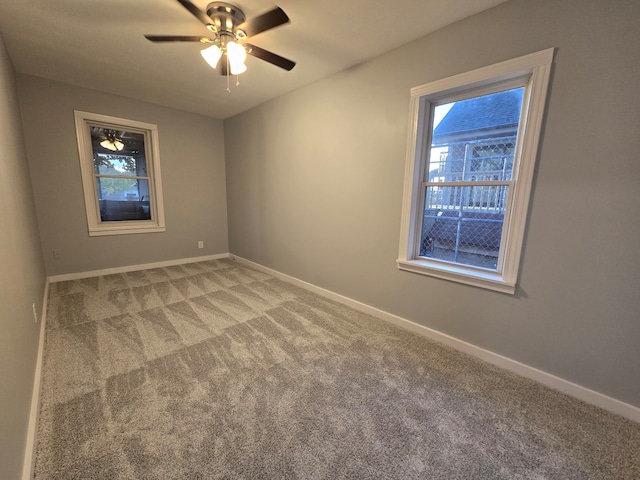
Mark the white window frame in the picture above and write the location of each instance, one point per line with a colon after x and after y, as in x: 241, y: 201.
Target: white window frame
x: 97, y: 227
x: 531, y: 71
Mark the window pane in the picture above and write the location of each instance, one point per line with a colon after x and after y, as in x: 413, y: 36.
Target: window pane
x: 118, y: 152
x: 463, y: 224
x: 122, y: 154
x: 106, y: 164
x: 123, y: 199
x: 474, y: 139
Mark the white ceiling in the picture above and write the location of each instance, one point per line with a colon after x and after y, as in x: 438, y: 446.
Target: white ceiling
x: 99, y: 44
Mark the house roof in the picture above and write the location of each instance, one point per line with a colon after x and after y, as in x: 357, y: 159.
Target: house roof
x: 486, y: 113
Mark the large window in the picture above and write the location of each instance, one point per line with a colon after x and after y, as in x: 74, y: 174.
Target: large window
x: 470, y: 162
x: 120, y: 168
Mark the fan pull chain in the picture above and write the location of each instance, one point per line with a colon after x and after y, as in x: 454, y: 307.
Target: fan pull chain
x: 228, y: 69
x: 237, y: 80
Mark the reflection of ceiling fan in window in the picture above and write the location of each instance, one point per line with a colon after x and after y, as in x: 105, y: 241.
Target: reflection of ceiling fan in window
x: 229, y: 29
x: 119, y: 141
x: 112, y: 142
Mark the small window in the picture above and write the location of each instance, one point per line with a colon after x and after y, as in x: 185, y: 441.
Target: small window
x: 120, y: 168
x: 469, y: 172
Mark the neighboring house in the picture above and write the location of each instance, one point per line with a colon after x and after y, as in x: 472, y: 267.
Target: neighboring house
x: 474, y: 142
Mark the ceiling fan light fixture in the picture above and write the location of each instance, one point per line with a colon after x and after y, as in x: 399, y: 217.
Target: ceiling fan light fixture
x: 237, y: 56
x: 212, y: 55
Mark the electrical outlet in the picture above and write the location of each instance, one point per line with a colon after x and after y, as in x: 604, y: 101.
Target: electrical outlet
x: 200, y: 244
x: 57, y: 253
x: 35, y: 315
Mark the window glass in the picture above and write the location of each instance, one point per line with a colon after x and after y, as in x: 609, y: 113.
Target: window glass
x: 122, y: 165
x: 470, y: 166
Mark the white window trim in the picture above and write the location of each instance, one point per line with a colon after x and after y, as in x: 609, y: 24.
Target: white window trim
x: 535, y: 68
x: 152, y: 152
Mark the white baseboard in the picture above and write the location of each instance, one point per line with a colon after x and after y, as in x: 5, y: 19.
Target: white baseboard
x: 582, y: 393
x: 132, y: 268
x: 34, y: 414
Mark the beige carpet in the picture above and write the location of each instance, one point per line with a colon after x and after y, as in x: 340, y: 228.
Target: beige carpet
x: 214, y: 370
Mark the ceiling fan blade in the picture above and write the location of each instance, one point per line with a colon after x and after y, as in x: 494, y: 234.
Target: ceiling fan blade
x: 196, y: 12
x: 264, y: 22
x: 177, y: 38
x: 270, y: 57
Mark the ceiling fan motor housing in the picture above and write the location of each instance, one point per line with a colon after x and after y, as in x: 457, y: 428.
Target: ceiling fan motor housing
x: 226, y: 17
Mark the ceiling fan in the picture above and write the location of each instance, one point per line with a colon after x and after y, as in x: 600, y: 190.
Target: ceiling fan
x: 229, y: 29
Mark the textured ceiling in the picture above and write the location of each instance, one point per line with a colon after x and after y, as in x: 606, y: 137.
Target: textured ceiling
x: 100, y: 45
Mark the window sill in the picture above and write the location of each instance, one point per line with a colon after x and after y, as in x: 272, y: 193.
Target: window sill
x: 125, y: 229
x: 459, y: 274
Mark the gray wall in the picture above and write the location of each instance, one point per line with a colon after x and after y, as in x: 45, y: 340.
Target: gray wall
x: 22, y: 279
x: 193, y: 179
x: 315, y: 179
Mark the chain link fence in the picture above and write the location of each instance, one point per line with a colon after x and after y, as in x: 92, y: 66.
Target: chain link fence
x: 463, y: 224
